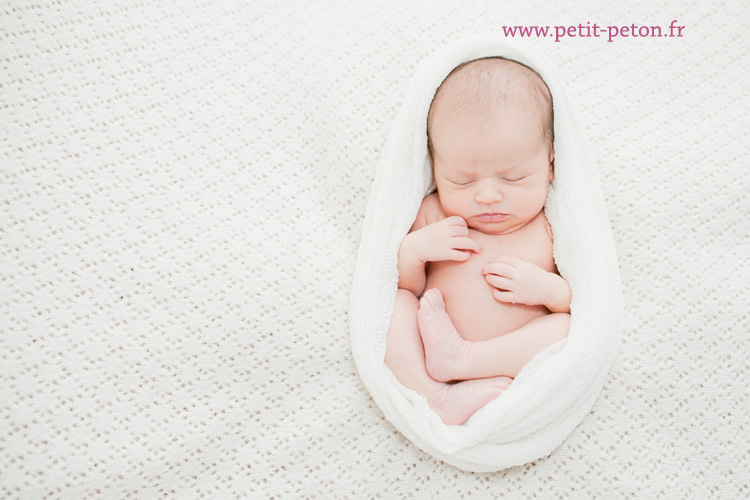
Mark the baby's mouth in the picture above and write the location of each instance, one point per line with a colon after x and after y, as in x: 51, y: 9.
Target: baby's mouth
x: 492, y: 217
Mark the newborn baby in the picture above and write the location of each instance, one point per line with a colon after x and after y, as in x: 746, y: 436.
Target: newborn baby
x: 479, y: 293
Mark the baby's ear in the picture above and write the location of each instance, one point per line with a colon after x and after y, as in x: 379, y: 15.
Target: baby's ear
x: 551, y: 164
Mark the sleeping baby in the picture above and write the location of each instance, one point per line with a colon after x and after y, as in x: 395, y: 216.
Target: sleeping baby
x: 479, y: 293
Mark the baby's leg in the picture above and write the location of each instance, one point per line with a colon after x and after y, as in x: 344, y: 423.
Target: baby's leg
x: 404, y: 355
x: 450, y: 357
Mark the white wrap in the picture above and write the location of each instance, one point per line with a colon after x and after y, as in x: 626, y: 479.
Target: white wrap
x: 553, y: 393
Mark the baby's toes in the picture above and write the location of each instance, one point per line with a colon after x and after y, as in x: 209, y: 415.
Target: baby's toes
x: 434, y: 299
x: 503, y: 382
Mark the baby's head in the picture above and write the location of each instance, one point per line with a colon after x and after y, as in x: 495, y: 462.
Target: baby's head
x: 490, y: 139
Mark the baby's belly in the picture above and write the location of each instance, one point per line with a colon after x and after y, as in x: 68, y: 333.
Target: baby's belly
x: 469, y: 301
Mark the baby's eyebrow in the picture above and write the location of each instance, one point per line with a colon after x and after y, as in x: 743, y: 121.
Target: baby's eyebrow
x: 465, y: 173
x: 515, y: 170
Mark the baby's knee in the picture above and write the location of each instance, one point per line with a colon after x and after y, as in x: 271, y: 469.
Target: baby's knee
x: 406, y: 299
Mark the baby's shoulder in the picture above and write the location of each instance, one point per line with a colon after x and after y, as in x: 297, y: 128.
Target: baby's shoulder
x: 429, y: 211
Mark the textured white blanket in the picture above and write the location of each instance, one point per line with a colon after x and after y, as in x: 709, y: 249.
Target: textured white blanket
x: 554, y: 392
x: 183, y: 186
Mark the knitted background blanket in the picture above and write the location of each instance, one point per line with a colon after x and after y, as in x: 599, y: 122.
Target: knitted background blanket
x: 183, y: 189
x: 557, y: 388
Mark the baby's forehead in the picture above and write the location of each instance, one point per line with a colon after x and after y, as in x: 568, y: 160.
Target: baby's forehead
x: 488, y: 83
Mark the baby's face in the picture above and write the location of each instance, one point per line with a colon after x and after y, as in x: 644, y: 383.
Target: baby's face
x: 493, y: 173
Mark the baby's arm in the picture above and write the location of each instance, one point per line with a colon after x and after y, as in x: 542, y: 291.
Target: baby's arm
x: 411, y: 270
x: 432, y: 238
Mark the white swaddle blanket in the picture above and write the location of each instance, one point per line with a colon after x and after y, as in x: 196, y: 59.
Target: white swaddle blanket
x: 553, y: 393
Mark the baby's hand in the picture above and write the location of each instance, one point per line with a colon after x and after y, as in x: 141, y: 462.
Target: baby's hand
x: 447, y: 239
x: 516, y: 280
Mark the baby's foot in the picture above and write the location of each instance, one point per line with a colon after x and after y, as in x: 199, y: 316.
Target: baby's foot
x: 446, y: 353
x: 456, y: 403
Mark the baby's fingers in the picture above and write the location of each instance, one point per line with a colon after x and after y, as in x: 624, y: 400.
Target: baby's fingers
x: 499, y: 281
x: 455, y: 220
x: 499, y: 268
x: 505, y: 296
x: 465, y: 243
x: 458, y: 255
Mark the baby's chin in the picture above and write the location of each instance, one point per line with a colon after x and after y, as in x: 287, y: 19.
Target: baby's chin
x: 490, y: 227
x: 495, y: 228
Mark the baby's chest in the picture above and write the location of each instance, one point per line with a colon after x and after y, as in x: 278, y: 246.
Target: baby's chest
x: 468, y: 295
x: 531, y: 244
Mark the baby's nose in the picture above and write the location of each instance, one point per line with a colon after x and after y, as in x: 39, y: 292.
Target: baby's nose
x: 489, y: 192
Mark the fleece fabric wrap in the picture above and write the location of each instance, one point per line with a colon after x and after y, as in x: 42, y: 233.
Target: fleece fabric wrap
x: 556, y: 390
